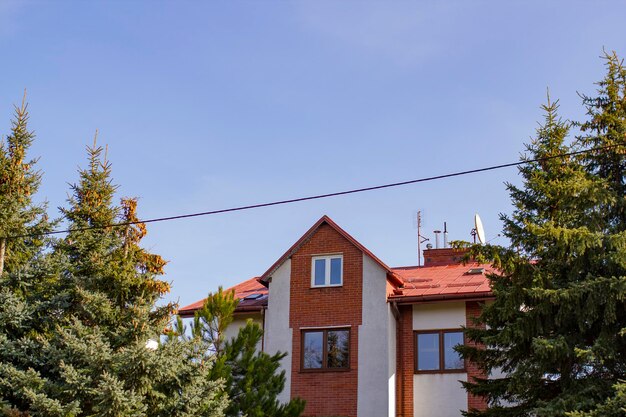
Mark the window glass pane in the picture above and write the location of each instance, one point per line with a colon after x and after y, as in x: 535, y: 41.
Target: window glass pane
x: 451, y: 359
x: 338, y: 348
x: 313, y: 353
x: 335, y: 271
x: 427, y: 351
x: 320, y: 271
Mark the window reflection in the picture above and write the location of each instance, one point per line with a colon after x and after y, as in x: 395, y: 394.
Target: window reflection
x: 435, y: 351
x: 313, y: 354
x: 326, y: 349
x: 452, y: 360
x: 427, y: 351
x: 337, y: 348
x: 335, y: 271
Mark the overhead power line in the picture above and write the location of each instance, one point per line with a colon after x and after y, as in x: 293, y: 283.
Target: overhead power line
x: 318, y: 196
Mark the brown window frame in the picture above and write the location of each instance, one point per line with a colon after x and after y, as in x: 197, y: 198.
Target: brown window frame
x: 442, y: 369
x: 324, y: 331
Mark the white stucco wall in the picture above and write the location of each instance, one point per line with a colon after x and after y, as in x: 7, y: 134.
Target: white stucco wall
x: 374, y: 354
x: 391, y: 349
x: 439, y: 395
x: 435, y: 316
x: 240, y: 321
x: 278, y: 334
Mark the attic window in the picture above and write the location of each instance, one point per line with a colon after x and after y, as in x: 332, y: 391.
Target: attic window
x: 475, y: 271
x: 253, y: 296
x: 327, y: 271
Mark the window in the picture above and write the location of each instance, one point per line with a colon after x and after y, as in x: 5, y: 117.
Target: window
x: 326, y: 350
x: 434, y: 351
x: 327, y: 271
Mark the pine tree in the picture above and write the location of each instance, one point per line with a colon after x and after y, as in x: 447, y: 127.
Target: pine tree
x: 552, y: 340
x: 252, y: 377
x: 212, y: 320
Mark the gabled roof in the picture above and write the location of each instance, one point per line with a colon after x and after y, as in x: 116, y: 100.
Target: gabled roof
x: 252, y: 296
x: 443, y: 282
x: 391, y: 275
x: 413, y: 284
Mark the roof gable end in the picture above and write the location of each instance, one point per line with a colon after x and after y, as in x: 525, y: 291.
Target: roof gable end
x: 328, y: 221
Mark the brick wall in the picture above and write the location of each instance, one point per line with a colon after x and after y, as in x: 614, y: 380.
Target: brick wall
x: 444, y: 256
x: 405, y: 362
x: 326, y: 393
x: 473, y: 309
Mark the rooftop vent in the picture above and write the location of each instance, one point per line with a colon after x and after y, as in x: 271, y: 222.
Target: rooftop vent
x: 475, y: 271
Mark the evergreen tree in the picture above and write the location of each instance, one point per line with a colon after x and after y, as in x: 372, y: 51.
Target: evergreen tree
x: 212, y: 320
x: 26, y: 277
x: 252, y: 377
x: 19, y: 181
x: 83, y: 349
x: 614, y: 406
x: 553, y: 342
x: 606, y: 128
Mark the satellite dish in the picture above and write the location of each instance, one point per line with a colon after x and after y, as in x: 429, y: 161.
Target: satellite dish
x: 480, y: 231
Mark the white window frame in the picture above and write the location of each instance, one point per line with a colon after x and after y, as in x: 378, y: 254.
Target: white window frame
x: 327, y: 258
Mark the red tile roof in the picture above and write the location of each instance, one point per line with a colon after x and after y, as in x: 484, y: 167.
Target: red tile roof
x: 412, y: 284
x: 425, y: 283
x: 443, y: 282
x: 250, y: 288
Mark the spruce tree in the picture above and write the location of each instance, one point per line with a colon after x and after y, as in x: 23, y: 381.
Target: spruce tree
x: 553, y: 340
x: 606, y: 128
x: 84, y: 347
x: 19, y: 181
x: 27, y: 276
x: 252, y: 378
x: 114, y: 285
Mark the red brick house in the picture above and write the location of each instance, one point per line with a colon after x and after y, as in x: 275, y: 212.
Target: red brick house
x: 364, y: 339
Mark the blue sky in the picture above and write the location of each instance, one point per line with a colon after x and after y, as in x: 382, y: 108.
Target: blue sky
x: 209, y: 105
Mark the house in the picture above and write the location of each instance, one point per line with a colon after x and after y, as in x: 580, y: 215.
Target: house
x: 364, y: 339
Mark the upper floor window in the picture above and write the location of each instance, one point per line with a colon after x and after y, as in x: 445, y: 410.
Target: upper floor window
x: 327, y: 271
x: 434, y: 350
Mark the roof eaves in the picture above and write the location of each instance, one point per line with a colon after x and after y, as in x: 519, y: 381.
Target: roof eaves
x: 395, y: 279
x: 414, y: 299
x: 190, y: 311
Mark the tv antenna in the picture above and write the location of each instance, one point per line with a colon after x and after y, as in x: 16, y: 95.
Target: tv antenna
x: 420, y: 239
x: 478, y: 231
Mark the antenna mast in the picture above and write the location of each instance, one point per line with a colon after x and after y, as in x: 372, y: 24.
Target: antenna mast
x: 420, y: 239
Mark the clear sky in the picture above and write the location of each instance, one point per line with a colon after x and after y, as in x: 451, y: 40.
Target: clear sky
x: 209, y: 105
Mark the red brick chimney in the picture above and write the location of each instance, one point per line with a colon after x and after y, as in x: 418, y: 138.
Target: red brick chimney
x: 445, y: 256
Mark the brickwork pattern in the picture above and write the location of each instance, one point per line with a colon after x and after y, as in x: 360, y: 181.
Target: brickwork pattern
x: 326, y: 393
x: 473, y: 309
x: 405, y: 362
x: 443, y: 256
